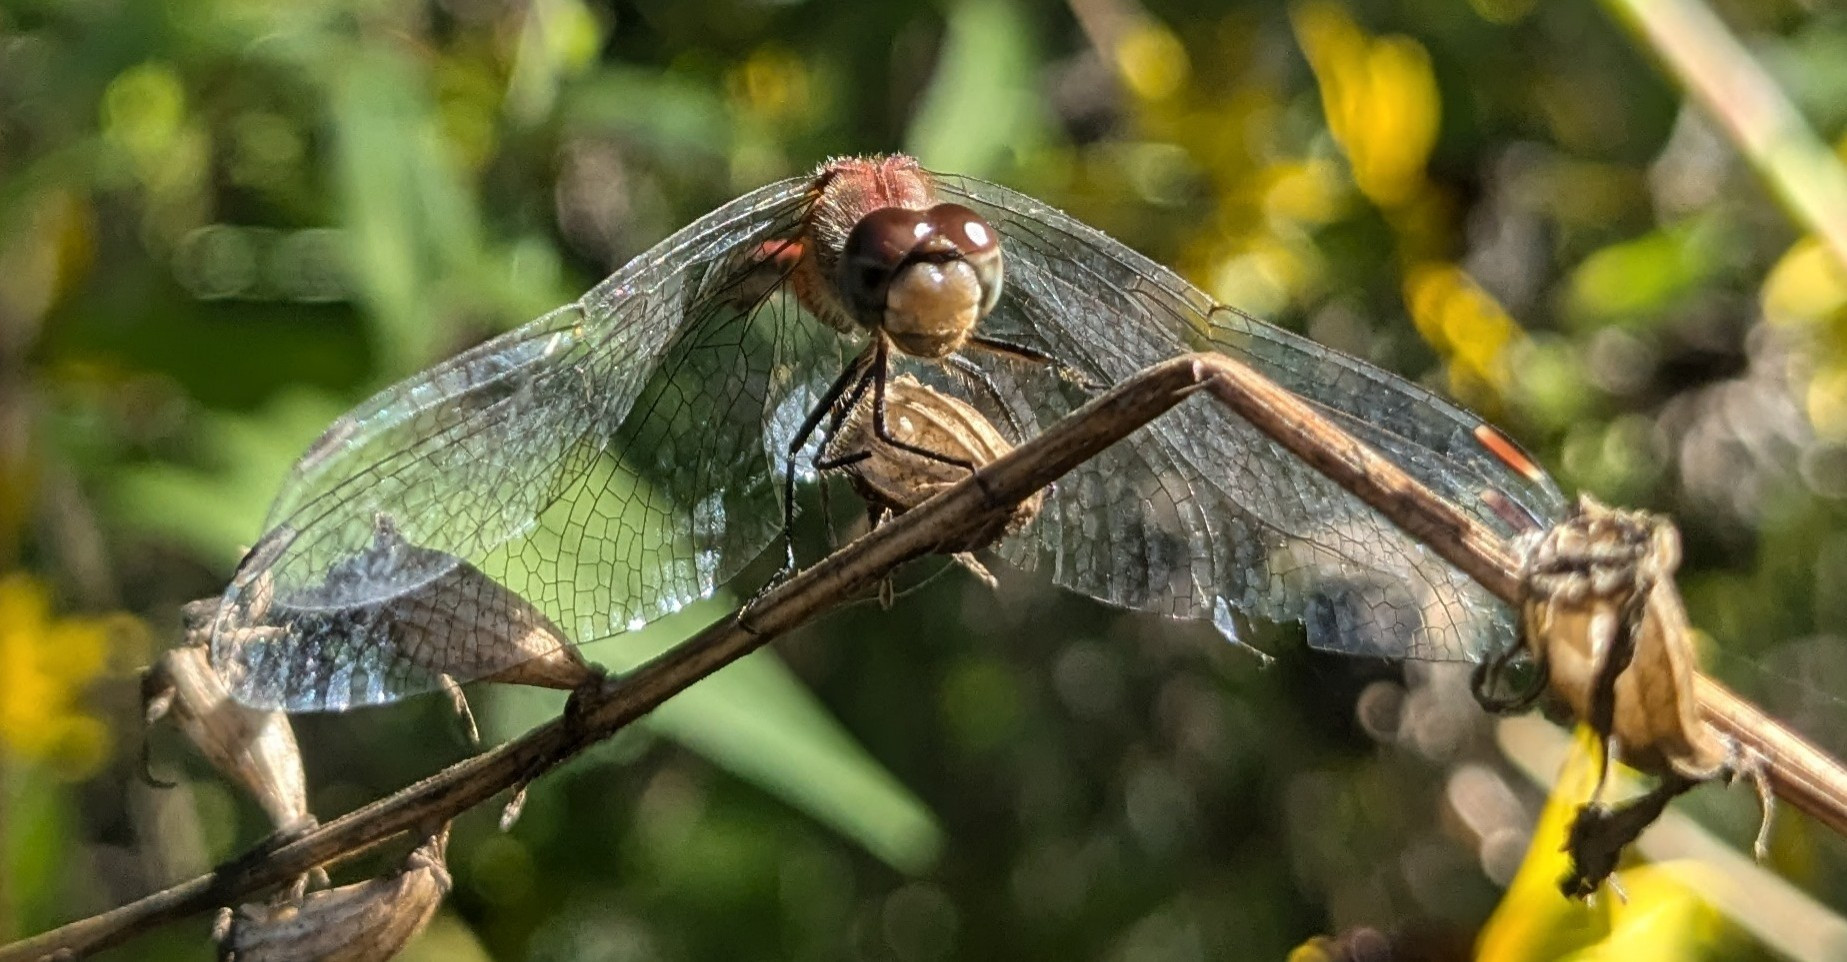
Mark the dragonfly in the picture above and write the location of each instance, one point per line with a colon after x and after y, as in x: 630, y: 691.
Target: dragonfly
x: 629, y: 453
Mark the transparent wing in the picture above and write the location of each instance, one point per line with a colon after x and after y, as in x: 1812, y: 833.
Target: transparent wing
x: 1197, y: 514
x: 605, y: 464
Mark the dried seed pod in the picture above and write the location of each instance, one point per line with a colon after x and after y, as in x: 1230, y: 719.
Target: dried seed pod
x: 368, y: 921
x: 1603, y: 616
x: 1598, y: 583
x: 255, y: 748
x: 892, y: 478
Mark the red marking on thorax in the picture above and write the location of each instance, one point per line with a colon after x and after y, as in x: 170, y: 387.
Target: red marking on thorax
x: 782, y: 255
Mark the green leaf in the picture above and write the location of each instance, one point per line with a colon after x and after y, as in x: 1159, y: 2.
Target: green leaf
x: 667, y: 113
x: 755, y: 719
x: 557, y: 38
x: 980, y: 106
x: 34, y: 840
x: 412, y: 224
x: 218, y: 511
x: 1637, y: 281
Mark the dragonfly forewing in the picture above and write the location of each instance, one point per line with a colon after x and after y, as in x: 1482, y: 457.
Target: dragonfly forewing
x: 1198, y: 512
x: 604, y: 463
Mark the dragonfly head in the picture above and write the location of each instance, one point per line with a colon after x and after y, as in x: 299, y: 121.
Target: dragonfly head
x: 923, y: 277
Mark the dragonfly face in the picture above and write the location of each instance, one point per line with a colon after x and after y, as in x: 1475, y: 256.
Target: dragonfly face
x: 628, y: 453
x: 922, y: 278
x: 885, y: 257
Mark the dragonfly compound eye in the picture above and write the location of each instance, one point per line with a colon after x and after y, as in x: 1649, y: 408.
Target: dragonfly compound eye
x: 875, y: 250
x: 924, y: 278
x: 975, y: 243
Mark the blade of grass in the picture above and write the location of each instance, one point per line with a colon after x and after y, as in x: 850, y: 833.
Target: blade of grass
x: 1701, y: 54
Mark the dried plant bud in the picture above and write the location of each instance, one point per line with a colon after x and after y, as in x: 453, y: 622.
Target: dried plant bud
x: 510, y: 813
x: 1593, y: 578
x: 365, y: 922
x: 893, y: 478
x: 1604, y: 617
x: 255, y: 748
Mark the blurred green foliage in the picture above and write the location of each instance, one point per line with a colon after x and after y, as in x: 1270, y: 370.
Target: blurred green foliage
x: 222, y: 222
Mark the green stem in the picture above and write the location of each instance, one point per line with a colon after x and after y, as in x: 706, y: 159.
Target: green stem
x: 1710, y: 64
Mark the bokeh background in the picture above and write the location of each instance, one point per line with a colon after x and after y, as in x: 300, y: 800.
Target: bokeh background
x: 223, y: 222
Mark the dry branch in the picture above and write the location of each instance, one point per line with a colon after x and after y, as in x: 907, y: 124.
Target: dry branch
x: 1803, y: 776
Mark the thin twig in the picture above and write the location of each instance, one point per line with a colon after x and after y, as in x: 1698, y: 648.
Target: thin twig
x: 1816, y: 787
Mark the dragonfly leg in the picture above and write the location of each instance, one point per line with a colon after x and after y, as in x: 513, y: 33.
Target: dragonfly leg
x: 1021, y: 352
x: 880, y: 371
x: 823, y: 463
x: 842, y: 410
x: 853, y: 377
x: 1490, y: 679
x: 843, y: 461
x: 1600, y: 833
x: 970, y: 370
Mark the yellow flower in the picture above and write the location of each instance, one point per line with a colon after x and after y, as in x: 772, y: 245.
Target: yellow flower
x: 46, y: 663
x: 1152, y: 61
x: 1827, y: 402
x: 1380, y: 96
x: 1464, y: 323
x: 772, y: 84
x: 1663, y: 917
x: 1808, y: 289
x: 1806, y: 285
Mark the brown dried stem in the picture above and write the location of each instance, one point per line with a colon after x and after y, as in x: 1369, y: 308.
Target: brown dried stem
x: 1800, y: 774
x: 1805, y: 777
